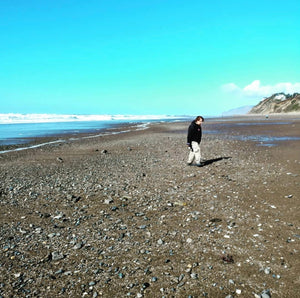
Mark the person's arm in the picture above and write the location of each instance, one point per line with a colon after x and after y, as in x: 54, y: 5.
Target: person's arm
x: 189, y: 137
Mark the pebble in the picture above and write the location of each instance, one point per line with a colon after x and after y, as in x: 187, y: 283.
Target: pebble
x: 194, y: 275
x: 160, y: 242
x: 78, y: 245
x: 56, y: 256
x: 108, y: 201
x: 51, y: 235
x: 266, y: 294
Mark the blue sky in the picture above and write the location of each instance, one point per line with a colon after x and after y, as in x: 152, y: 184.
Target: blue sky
x: 146, y: 57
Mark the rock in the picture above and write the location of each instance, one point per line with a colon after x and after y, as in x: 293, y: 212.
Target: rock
x: 51, y: 235
x: 160, y: 242
x: 56, y: 256
x: 194, y: 275
x: 108, y: 201
x: 266, y: 294
x: 78, y: 245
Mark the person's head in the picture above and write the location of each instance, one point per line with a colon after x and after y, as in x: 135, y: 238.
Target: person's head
x: 199, y: 120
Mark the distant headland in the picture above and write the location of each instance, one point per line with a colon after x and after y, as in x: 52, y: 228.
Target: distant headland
x: 278, y: 103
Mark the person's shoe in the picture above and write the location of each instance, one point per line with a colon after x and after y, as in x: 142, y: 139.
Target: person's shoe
x: 189, y: 164
x: 201, y: 164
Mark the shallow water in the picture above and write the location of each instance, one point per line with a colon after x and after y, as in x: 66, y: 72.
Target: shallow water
x: 233, y: 131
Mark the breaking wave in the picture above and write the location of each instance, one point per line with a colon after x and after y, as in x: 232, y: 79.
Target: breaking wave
x: 11, y: 118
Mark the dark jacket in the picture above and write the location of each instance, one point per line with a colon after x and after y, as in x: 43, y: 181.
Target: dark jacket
x: 194, y: 133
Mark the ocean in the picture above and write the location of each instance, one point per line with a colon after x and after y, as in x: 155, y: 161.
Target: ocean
x: 21, y: 129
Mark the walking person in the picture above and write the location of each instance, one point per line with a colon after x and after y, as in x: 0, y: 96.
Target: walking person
x: 193, y: 141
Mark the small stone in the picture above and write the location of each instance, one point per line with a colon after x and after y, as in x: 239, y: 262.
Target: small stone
x: 160, y: 242
x: 266, y: 294
x: 51, y: 235
x: 180, y: 278
x: 78, y: 245
x: 146, y: 285
x: 56, y: 256
x: 108, y: 201
x: 194, y: 275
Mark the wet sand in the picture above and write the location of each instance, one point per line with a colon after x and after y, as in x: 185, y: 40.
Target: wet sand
x: 124, y: 215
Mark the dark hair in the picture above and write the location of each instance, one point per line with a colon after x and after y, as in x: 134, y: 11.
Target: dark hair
x: 198, y: 118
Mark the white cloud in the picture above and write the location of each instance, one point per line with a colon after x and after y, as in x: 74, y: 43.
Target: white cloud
x: 257, y: 90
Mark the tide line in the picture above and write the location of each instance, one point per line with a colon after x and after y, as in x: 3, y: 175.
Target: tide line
x: 137, y: 127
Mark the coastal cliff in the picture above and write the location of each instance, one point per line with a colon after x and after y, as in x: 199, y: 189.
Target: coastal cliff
x: 278, y: 103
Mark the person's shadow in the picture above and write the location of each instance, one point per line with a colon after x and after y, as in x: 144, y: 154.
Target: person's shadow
x: 210, y: 161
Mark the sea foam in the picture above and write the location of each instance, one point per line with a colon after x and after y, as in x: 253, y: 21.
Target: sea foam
x: 11, y: 118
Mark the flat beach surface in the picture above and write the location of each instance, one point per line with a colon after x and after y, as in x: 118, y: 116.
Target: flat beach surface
x: 123, y: 215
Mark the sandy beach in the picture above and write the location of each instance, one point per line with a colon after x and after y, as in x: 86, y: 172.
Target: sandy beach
x: 123, y: 215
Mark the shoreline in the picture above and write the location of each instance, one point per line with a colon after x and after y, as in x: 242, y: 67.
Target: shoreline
x: 35, y: 142
x: 59, y: 139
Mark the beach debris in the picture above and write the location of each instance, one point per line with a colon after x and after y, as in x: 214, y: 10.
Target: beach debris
x: 179, y: 203
x: 104, y: 151
x: 227, y: 259
x: 59, y: 159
